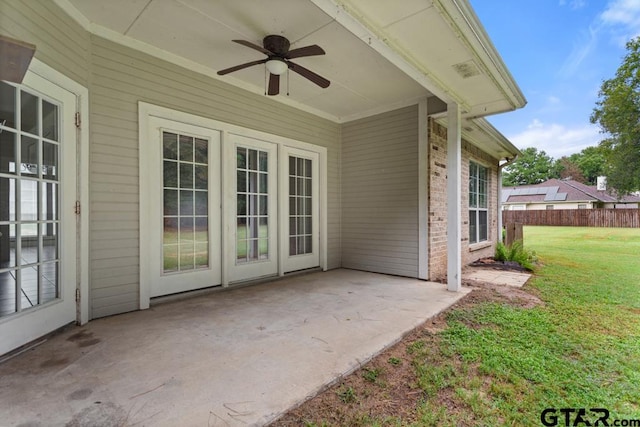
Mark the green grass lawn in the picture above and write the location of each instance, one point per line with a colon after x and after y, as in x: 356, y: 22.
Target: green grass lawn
x: 580, y: 350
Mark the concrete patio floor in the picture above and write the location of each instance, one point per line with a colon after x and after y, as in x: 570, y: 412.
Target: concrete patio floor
x: 240, y: 357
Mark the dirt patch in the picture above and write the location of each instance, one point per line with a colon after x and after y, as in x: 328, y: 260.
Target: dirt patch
x: 500, y: 293
x: 387, y: 386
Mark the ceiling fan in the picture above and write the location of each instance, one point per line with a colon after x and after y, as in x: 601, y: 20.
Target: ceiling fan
x: 279, y: 60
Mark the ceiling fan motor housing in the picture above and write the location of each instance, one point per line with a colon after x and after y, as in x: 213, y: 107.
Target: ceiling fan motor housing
x: 278, y: 45
x: 278, y: 61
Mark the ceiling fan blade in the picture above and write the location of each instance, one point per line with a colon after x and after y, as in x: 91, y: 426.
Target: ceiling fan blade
x: 319, y: 80
x: 305, y: 51
x: 253, y: 46
x: 240, y: 67
x: 274, y: 84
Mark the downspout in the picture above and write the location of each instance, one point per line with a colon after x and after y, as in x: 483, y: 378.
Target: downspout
x: 500, y: 167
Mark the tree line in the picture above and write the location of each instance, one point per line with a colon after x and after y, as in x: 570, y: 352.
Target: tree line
x: 617, y: 156
x: 534, y: 167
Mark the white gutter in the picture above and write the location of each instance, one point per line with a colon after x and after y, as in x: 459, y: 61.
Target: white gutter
x: 495, y: 134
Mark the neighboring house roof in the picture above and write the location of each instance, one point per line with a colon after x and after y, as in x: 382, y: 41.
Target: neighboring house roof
x: 556, y: 190
x: 603, y: 196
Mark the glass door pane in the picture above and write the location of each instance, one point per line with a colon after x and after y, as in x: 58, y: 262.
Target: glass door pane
x: 185, y: 203
x: 300, y: 206
x: 29, y: 199
x: 252, y: 210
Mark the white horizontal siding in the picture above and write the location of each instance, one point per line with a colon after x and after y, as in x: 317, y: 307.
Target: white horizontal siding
x: 380, y: 193
x: 120, y: 79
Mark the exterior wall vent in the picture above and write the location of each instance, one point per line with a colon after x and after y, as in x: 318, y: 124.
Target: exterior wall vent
x: 467, y: 69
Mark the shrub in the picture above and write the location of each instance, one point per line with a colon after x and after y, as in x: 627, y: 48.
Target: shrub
x: 516, y: 253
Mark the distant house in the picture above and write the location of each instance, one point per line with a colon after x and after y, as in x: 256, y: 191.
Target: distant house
x: 564, y: 194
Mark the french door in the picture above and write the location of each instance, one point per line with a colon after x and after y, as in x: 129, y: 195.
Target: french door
x: 299, y: 170
x: 185, y: 220
x: 253, y: 208
x: 37, y: 221
x: 222, y: 204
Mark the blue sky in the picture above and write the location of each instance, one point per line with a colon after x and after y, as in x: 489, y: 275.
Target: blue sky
x: 559, y: 52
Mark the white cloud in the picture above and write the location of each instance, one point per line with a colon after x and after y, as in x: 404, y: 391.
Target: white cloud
x: 620, y: 20
x: 553, y: 100
x: 587, y: 44
x: 555, y: 139
x: 624, y: 15
x: 573, y: 4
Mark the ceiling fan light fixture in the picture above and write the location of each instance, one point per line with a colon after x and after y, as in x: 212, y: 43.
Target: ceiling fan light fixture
x: 278, y: 61
x: 276, y: 66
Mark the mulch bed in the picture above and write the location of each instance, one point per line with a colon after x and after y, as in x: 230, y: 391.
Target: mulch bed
x: 499, y: 265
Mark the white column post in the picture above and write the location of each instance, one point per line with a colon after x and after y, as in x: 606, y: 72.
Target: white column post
x: 499, y: 204
x: 423, y: 190
x: 454, y: 198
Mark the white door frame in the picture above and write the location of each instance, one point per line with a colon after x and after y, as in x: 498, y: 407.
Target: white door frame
x: 145, y: 112
x: 73, y: 304
x: 164, y: 284
x: 82, y: 155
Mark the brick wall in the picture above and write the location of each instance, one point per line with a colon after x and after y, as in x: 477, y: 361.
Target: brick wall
x: 437, y: 199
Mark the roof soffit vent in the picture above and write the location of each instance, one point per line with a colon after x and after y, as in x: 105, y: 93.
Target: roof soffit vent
x: 467, y: 69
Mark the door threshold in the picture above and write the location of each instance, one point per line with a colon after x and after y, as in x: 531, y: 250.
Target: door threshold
x: 236, y: 285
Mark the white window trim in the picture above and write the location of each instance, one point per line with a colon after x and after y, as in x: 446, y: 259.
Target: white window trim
x: 145, y: 112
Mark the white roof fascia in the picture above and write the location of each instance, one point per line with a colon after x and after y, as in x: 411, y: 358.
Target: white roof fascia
x: 486, y: 127
x: 465, y: 22
x: 372, y: 36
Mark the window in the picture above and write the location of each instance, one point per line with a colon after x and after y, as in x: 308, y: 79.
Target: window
x: 478, y: 203
x: 582, y: 206
x: 185, y: 201
x: 549, y: 207
x: 29, y: 199
x: 253, y: 210
x: 300, y: 200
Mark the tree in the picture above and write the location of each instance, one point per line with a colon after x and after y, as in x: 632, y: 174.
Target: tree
x: 617, y: 112
x: 567, y: 168
x: 532, y: 167
x: 585, y: 166
x: 592, y: 163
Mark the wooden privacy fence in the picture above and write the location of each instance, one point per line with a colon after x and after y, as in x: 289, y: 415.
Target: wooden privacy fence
x: 621, y: 218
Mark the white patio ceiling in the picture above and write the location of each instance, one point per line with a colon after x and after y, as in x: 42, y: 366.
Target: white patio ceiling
x: 380, y: 54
